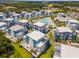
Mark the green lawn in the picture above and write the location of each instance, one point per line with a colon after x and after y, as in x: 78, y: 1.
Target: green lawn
x: 48, y: 53
x: 16, y: 55
x: 20, y: 51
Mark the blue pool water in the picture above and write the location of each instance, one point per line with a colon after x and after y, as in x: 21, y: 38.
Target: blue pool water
x: 45, y: 20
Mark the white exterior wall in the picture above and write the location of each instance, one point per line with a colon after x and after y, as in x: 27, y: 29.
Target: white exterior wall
x: 12, y: 33
x: 41, y: 49
x: 31, y: 42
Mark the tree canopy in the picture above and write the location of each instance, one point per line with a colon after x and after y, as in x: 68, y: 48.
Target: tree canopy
x: 6, y: 49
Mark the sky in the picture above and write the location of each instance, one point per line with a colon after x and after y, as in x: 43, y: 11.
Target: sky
x: 48, y: 0
x: 42, y: 0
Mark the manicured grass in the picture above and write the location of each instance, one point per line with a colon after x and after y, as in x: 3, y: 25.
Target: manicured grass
x: 16, y: 55
x: 49, y: 53
x: 1, y: 33
x: 21, y: 51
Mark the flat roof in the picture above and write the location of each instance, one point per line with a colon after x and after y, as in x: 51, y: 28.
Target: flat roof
x: 42, y: 10
x: 75, y: 21
x: 38, y: 12
x: 1, y: 15
x: 2, y: 23
x: 24, y: 12
x: 8, y: 19
x: 64, y: 29
x: 62, y: 13
x: 36, y: 35
x: 59, y: 18
x: 16, y: 14
x: 69, y: 51
x: 67, y: 18
x: 77, y: 31
x: 48, y: 11
x: 40, y: 44
x: 28, y: 13
x: 23, y: 21
x: 40, y: 24
x: 16, y: 27
x: 34, y: 11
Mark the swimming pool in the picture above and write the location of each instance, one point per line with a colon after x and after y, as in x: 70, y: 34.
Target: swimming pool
x: 45, y: 20
x: 48, y: 21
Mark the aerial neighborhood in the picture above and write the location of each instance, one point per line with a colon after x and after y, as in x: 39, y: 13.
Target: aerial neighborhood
x: 32, y: 36
x: 35, y: 33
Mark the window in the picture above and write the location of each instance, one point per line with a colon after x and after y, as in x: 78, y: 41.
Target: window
x: 70, y: 34
x: 27, y: 39
x: 61, y: 34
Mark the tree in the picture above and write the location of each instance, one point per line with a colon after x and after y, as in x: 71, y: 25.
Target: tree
x: 6, y: 49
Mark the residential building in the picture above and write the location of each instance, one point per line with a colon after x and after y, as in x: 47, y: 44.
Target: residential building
x: 63, y: 19
x: 3, y: 26
x: 23, y: 14
x: 33, y: 13
x: 43, y: 12
x: 24, y: 23
x: 9, y: 14
x: 61, y: 15
x: 28, y: 15
x: 64, y: 33
x: 2, y: 16
x: 40, y: 27
x: 35, y: 42
x: 9, y: 21
x: 16, y: 32
x: 16, y: 16
x: 48, y: 13
x: 38, y: 14
x: 73, y: 24
x: 77, y: 31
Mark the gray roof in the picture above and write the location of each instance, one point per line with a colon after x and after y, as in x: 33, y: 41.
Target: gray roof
x: 36, y: 35
x: 16, y: 28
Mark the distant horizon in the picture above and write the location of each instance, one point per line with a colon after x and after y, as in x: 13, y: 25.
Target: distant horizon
x: 39, y: 0
x: 50, y: 1
x: 46, y: 0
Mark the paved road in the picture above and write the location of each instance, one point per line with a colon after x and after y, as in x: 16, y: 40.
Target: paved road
x: 57, y: 53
